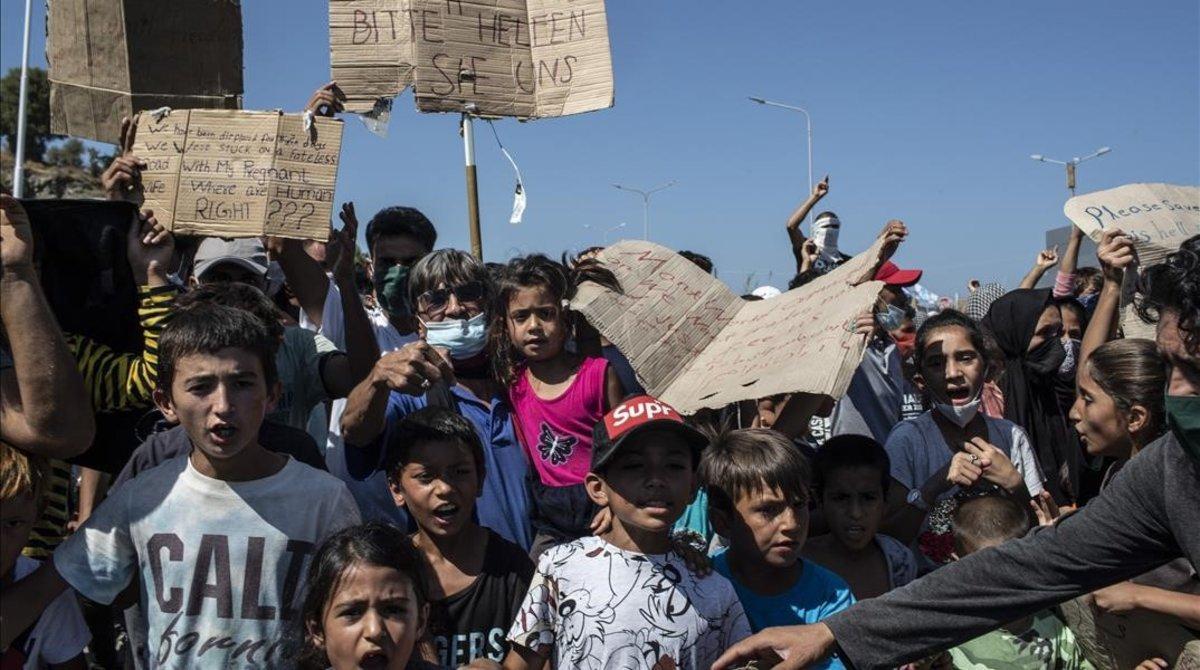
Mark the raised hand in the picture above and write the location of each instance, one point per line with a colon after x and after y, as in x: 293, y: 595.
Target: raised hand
x: 347, y: 239
x: 893, y: 234
x: 151, y: 250
x: 1045, y: 509
x: 122, y: 179
x: 1116, y: 253
x: 808, y: 254
x: 997, y: 467
x: 327, y: 100
x: 16, y: 235
x: 821, y: 189
x: 1047, y: 258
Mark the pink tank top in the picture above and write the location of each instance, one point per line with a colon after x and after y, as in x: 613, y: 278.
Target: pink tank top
x: 557, y: 434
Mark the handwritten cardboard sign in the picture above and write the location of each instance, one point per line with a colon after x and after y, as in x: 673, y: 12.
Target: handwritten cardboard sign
x: 695, y: 344
x: 111, y: 58
x: 522, y: 58
x: 1159, y: 217
x: 239, y: 174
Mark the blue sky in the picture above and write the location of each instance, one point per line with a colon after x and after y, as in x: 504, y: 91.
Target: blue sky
x: 923, y: 111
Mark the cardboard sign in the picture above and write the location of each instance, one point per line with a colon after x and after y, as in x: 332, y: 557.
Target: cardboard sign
x: 522, y: 58
x: 694, y: 344
x: 112, y: 58
x: 1159, y: 217
x: 240, y: 174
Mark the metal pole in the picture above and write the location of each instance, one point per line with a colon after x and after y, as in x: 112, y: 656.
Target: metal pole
x: 468, y: 133
x: 19, y: 156
x: 646, y: 216
x: 808, y: 122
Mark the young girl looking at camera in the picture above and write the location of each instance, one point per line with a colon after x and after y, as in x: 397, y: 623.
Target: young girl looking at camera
x: 953, y: 446
x: 557, y: 395
x: 366, y: 605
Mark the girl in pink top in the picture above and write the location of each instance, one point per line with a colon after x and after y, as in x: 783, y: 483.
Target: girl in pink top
x: 557, y: 396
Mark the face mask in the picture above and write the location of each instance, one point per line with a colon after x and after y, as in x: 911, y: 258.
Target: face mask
x: 1066, y: 370
x: 961, y: 415
x: 1183, y: 418
x: 1089, y: 301
x: 891, y: 318
x: 825, y: 235
x: 906, y: 344
x: 391, y: 287
x: 464, y: 338
x: 1046, y: 358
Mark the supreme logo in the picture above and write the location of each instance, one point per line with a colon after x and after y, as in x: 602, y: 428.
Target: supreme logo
x: 637, y: 411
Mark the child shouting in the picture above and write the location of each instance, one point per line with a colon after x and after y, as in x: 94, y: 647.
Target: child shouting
x: 626, y: 598
x: 757, y: 483
x: 476, y: 579
x: 852, y: 478
x: 215, y: 542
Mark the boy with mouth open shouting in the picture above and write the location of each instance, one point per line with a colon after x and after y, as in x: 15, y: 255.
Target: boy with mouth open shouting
x: 626, y: 598
x: 475, y: 578
x: 214, y: 543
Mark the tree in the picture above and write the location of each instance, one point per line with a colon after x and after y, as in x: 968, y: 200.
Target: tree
x: 67, y: 154
x: 37, y: 107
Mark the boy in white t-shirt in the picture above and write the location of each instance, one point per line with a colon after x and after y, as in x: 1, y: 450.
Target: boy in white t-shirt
x: 213, y: 544
x: 57, y: 638
x: 626, y: 598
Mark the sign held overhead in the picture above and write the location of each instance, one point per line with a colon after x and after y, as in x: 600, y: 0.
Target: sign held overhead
x: 112, y: 58
x: 239, y: 174
x: 695, y: 344
x: 520, y: 58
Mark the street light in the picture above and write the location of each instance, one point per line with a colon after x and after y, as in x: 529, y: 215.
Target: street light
x: 1071, y: 164
x: 808, y: 122
x: 612, y: 230
x: 645, y: 203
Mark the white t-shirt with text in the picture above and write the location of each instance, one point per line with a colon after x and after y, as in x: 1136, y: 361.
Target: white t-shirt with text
x: 221, y: 564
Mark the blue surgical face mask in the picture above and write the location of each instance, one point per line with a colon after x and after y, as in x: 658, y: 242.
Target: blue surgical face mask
x: 464, y: 338
x: 891, y: 318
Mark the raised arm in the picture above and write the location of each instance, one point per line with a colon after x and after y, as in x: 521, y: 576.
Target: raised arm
x: 343, y: 373
x: 1064, y: 280
x: 44, y: 407
x: 303, y: 274
x: 116, y: 380
x: 1116, y: 253
x: 1044, y: 261
x: 122, y: 179
x: 793, y: 224
x: 412, y: 370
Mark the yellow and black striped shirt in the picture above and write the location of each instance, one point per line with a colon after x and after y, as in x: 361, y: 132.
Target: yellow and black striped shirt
x: 115, y: 381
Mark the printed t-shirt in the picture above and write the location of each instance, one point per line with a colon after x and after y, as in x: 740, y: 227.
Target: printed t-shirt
x: 221, y: 564
x: 603, y: 607
x: 473, y: 623
x: 1046, y: 643
x: 59, y: 634
x: 818, y: 593
x: 917, y: 450
x: 557, y: 433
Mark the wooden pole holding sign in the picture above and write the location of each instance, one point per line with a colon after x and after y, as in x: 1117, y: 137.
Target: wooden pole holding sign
x: 468, y: 134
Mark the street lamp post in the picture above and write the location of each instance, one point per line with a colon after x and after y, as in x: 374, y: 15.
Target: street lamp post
x: 1071, y: 164
x: 808, y: 123
x: 613, y: 230
x: 645, y: 202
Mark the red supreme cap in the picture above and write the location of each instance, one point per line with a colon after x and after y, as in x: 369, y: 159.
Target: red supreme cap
x: 635, y: 415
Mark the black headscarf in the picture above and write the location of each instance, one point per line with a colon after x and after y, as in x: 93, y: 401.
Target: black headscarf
x: 1028, y: 384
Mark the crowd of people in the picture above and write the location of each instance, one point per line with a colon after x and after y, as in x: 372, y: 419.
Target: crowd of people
x: 425, y: 460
